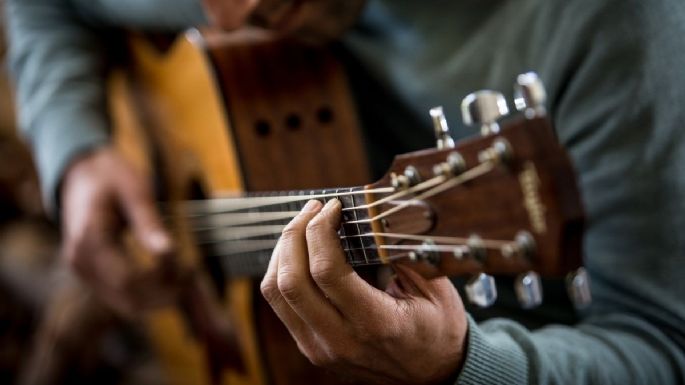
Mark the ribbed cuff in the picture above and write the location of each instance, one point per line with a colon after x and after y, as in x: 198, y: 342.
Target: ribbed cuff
x: 58, y: 142
x: 492, y: 358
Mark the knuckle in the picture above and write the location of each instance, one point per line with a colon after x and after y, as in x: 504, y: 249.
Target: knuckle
x: 291, y: 231
x: 348, y: 355
x: 289, y: 286
x: 321, y: 358
x: 323, y: 272
x: 269, y: 290
x: 315, y: 226
x: 74, y: 253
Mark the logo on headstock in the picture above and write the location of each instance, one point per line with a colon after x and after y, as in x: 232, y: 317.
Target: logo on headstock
x: 530, y: 186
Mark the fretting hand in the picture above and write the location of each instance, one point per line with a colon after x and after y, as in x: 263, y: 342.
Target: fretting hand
x: 411, y: 333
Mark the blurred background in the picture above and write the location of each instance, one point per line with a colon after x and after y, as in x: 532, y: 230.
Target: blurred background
x: 27, y: 242
x: 39, y: 342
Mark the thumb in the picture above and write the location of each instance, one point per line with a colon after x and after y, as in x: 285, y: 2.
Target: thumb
x: 140, y: 211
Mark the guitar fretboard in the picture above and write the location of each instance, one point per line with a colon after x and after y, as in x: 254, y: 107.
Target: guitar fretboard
x: 243, y: 236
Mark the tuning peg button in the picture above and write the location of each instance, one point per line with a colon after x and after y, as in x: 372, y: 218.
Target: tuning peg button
x: 484, y: 108
x: 530, y: 95
x: 578, y: 285
x: 442, y: 131
x: 481, y: 290
x: 528, y: 290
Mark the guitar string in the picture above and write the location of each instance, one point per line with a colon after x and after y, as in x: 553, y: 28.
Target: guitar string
x: 245, y: 262
x: 247, y: 245
x: 276, y: 229
x: 455, y: 181
x: 451, y: 240
x: 233, y: 219
x: 456, y: 241
x: 202, y: 208
x: 237, y: 219
x: 418, y: 187
x: 227, y: 205
x: 236, y: 232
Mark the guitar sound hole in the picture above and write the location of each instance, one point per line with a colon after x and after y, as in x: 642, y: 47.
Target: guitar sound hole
x: 324, y: 115
x: 293, y: 122
x: 262, y: 127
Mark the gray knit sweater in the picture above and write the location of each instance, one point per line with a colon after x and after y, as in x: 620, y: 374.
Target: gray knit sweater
x: 615, y: 71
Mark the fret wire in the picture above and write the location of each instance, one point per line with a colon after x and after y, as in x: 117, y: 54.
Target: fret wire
x: 345, y: 241
x: 359, y: 230
x: 349, y: 256
x: 356, y: 244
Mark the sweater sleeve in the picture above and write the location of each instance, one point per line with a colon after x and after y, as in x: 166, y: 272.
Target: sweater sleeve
x: 619, y: 112
x: 58, y: 62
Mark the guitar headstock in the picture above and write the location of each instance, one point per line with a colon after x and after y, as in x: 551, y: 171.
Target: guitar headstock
x: 505, y: 202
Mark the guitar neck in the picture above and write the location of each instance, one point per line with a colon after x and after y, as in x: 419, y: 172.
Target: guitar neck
x: 242, y: 232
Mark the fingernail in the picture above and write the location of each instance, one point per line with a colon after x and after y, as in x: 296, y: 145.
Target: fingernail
x: 158, y: 241
x: 331, y: 204
x: 312, y: 205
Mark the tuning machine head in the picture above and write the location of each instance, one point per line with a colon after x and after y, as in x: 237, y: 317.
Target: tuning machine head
x: 484, y: 108
x: 427, y: 252
x: 578, y: 286
x: 410, y: 177
x: 453, y: 165
x: 530, y: 95
x: 442, y: 131
x: 528, y: 290
x: 481, y: 290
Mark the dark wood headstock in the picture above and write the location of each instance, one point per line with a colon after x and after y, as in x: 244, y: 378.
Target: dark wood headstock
x: 510, y: 205
x: 532, y: 192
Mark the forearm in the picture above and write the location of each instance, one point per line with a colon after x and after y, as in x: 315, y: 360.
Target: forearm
x: 611, y: 349
x: 58, y: 60
x: 58, y: 66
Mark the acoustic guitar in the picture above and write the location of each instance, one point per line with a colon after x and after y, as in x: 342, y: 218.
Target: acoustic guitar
x: 214, y: 116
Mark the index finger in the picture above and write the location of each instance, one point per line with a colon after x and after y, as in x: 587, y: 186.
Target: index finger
x: 348, y: 292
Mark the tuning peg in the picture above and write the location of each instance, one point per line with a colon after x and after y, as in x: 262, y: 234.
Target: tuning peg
x: 410, y: 177
x: 578, y: 285
x: 528, y: 290
x: 530, y: 95
x: 442, y: 131
x: 454, y: 165
x: 481, y: 290
x: 484, y: 108
x: 426, y: 253
x: 523, y: 246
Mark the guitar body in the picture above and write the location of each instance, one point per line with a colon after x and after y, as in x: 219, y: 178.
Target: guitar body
x: 218, y: 114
